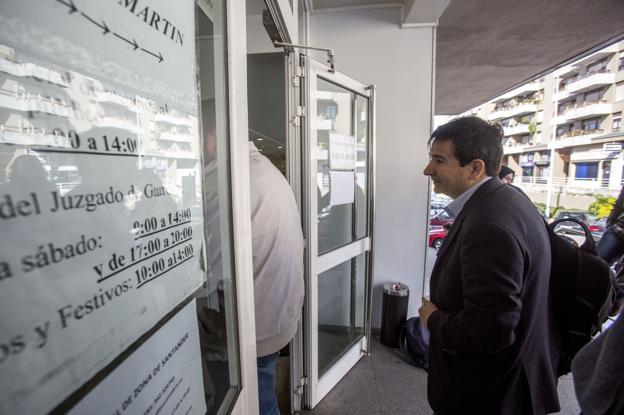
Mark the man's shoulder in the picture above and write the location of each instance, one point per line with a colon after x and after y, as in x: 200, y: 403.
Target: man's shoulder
x: 506, y: 207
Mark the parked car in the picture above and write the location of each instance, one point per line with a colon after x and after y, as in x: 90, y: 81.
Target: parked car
x: 436, y: 236
x: 598, y: 228
x: 441, y: 219
x: 571, y: 227
x: 435, y: 208
x: 583, y: 216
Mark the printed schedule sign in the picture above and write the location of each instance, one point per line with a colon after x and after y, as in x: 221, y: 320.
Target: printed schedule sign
x: 163, y: 376
x: 100, y: 186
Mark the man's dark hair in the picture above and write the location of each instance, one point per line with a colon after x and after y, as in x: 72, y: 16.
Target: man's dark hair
x: 473, y: 138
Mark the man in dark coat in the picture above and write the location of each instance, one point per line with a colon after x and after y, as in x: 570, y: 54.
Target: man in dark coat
x: 493, y: 345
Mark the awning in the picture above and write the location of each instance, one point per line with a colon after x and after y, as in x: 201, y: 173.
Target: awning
x: 594, y: 155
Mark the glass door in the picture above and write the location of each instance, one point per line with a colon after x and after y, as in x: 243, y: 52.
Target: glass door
x: 338, y: 154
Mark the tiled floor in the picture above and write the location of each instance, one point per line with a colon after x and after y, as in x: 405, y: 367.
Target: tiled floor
x: 384, y: 384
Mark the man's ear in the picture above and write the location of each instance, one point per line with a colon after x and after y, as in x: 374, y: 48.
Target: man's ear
x: 477, y: 169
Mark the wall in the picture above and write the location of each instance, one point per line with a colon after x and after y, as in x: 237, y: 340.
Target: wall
x: 258, y: 40
x: 265, y: 94
x: 402, y: 72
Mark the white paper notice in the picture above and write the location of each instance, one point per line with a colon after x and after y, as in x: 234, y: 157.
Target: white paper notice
x: 342, y: 187
x: 342, y: 152
x: 163, y: 376
x: 101, y: 216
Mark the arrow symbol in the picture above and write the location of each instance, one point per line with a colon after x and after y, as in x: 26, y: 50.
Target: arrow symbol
x: 101, y: 26
x: 70, y: 4
x: 133, y: 42
x: 159, y: 56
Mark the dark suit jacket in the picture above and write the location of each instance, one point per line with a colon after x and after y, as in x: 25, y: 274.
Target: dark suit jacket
x: 493, y: 347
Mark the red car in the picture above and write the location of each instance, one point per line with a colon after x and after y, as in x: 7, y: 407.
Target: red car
x: 441, y: 219
x: 436, y: 236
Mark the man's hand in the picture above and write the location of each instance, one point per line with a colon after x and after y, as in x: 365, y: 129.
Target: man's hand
x: 425, y: 311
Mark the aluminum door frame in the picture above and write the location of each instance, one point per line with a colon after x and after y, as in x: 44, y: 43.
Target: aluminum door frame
x: 318, y: 387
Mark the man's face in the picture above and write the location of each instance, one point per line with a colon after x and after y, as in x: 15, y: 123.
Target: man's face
x: 448, y: 176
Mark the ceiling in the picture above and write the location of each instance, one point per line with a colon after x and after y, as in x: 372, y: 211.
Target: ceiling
x: 486, y: 47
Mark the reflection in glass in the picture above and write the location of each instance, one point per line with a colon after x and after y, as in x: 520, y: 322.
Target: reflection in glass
x: 341, y: 310
x: 135, y: 165
x: 340, y: 113
x: 216, y: 300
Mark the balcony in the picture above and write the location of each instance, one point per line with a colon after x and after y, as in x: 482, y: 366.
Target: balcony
x: 175, y: 136
x: 517, y: 148
x: 36, y: 103
x: 25, y: 70
x: 26, y: 134
x: 122, y: 101
x: 522, y: 90
x: 596, y: 56
x: 173, y: 119
x: 120, y: 123
x: 568, y: 185
x: 590, y: 80
x: 577, y: 137
x: 522, y: 108
x: 585, y: 110
x: 517, y: 129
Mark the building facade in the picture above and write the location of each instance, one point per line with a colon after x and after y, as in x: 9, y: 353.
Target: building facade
x: 563, y: 131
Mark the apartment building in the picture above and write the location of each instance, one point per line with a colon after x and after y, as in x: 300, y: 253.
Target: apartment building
x: 563, y: 132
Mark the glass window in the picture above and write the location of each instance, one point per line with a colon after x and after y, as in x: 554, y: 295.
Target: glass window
x: 617, y: 121
x: 342, y: 162
x: 114, y: 171
x: 597, y: 66
x: 606, y: 170
x: 593, y: 96
x: 588, y: 170
x: 590, y: 125
x: 341, y: 309
x: 621, y: 64
x: 216, y: 304
x: 527, y: 171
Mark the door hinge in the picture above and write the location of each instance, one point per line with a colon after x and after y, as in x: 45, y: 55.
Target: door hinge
x: 303, y: 381
x: 296, y: 80
x: 299, y: 113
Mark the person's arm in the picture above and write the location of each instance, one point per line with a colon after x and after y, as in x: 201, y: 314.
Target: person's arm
x: 492, y: 278
x: 618, y: 209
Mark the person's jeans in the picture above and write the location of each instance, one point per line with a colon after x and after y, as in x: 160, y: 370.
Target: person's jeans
x: 266, y: 384
x: 610, y: 247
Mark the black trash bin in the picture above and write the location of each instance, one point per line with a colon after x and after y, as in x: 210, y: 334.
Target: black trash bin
x: 393, y: 312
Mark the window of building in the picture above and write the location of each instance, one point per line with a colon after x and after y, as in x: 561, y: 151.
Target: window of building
x: 597, y: 66
x: 527, y: 171
x: 593, y: 96
x: 562, y: 129
x: 619, y: 92
x: 621, y: 62
x: 564, y: 82
x: 587, y: 170
x: 606, y: 171
x: 617, y: 121
x: 590, y: 125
